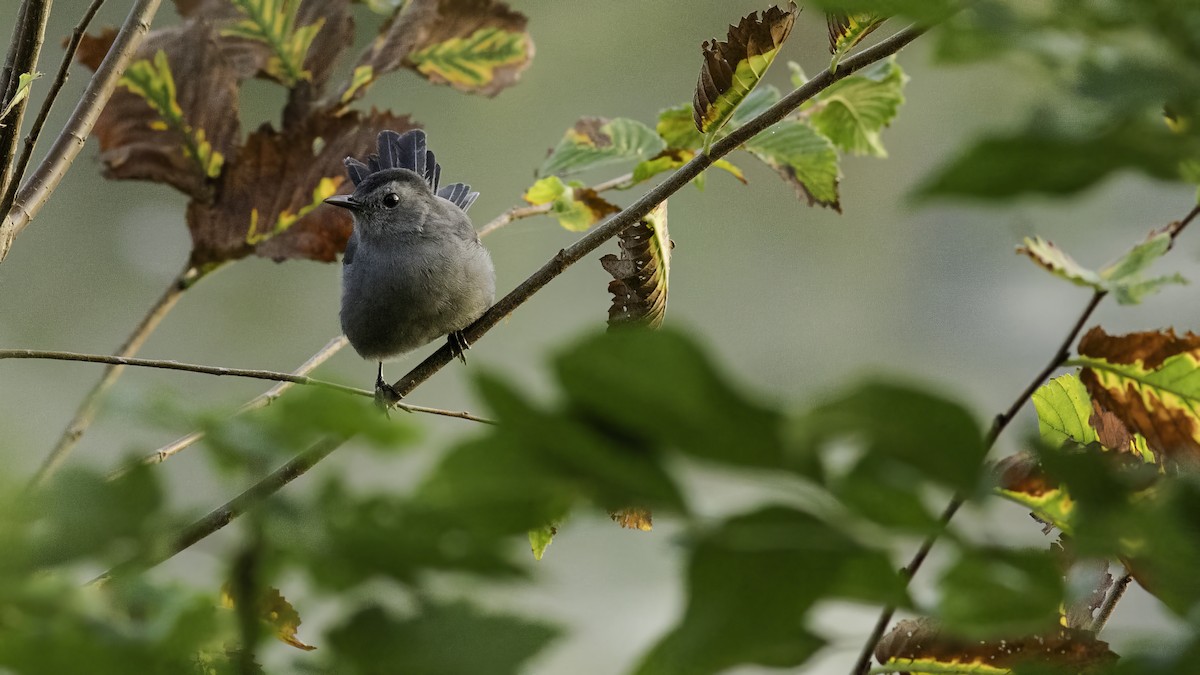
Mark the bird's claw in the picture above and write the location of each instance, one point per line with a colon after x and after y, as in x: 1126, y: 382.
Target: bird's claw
x: 458, y: 345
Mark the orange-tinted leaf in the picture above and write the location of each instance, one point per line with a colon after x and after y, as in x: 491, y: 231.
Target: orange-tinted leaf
x: 271, y: 193
x: 634, y: 519
x: 641, y: 272
x: 1151, y: 382
x: 478, y: 46
x: 732, y: 68
x: 914, y: 643
x: 137, y: 141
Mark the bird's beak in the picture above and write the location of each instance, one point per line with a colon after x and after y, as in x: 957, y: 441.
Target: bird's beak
x: 345, y: 201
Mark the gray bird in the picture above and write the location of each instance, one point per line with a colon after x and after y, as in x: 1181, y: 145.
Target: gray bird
x: 414, y: 269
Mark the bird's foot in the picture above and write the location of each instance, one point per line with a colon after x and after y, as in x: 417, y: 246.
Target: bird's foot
x: 458, y: 345
x: 386, y: 395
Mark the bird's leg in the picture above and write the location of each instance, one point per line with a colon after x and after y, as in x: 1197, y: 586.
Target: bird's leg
x: 386, y: 395
x: 458, y: 345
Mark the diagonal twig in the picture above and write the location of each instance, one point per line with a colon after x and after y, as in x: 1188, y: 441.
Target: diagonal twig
x: 28, y: 35
x: 37, y: 188
x: 35, y: 130
x: 299, y: 465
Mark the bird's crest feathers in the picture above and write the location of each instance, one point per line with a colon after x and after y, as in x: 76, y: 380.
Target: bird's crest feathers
x: 408, y: 151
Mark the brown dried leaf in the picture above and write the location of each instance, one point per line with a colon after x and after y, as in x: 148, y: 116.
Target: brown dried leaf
x: 135, y: 141
x: 1110, y: 431
x: 270, y: 196
x: 633, y: 518
x: 641, y: 272
x: 916, y: 642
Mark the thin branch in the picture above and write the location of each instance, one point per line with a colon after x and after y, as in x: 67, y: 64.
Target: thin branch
x: 251, y: 373
x: 1061, y: 356
x: 28, y: 36
x: 37, y: 188
x: 186, y: 367
x: 519, y: 212
x: 6, y: 201
x: 300, y: 464
x: 86, y: 412
x: 1110, y: 603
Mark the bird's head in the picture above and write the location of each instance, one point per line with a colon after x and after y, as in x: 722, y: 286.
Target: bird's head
x: 389, y: 201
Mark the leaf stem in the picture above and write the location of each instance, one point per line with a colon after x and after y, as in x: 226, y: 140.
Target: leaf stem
x: 38, y: 187
x: 10, y: 190
x: 1061, y: 357
x: 299, y: 465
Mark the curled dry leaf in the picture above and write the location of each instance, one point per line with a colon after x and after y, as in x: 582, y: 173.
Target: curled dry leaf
x: 153, y: 129
x: 1151, y: 382
x: 477, y: 46
x: 634, y: 518
x: 733, y: 67
x: 280, y: 219
x: 919, y: 645
x: 641, y: 272
x: 277, y: 612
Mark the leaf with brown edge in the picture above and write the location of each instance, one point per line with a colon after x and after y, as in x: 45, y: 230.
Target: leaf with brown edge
x: 633, y: 518
x: 576, y: 206
x: 733, y: 68
x: 847, y: 29
x: 1020, y: 479
x: 920, y: 646
x: 641, y: 272
x: 271, y: 193
x: 476, y: 46
x: 277, y: 612
x: 174, y: 118
x: 1151, y: 382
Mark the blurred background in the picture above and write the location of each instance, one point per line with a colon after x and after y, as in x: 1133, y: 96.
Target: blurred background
x: 794, y: 302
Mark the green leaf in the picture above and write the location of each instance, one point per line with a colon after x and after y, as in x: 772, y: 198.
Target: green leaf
x: 24, y: 84
x: 677, y: 129
x: 734, y: 67
x: 272, y: 22
x: 853, y: 111
x: 1040, y: 160
x: 641, y: 272
x: 804, y: 158
x: 997, y: 592
x: 659, y: 386
x: 540, y: 538
x: 1063, y: 409
x: 576, y: 207
x: 751, y: 582
x: 441, y: 639
x: 755, y: 104
x: 1122, y: 278
x: 596, y: 141
x: 470, y: 63
x: 908, y: 430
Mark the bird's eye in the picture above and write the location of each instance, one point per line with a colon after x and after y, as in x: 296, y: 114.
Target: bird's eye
x: 391, y: 200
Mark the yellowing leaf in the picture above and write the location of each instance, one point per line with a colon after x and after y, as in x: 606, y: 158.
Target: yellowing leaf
x: 272, y: 22
x: 641, y: 273
x: 848, y: 29
x: 1020, y: 479
x: 1063, y: 409
x: 540, y: 539
x: 1151, y: 382
x: 470, y: 63
x: 671, y: 159
x: 734, y: 67
x: 576, y: 207
x: 853, y: 111
x: 276, y: 612
x: 1122, y: 278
